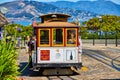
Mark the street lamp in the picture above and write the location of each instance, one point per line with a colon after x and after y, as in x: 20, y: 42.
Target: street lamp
x: 106, y: 37
x: 116, y: 37
x: 24, y: 40
x: 78, y: 23
x: 93, y: 37
x: 100, y: 19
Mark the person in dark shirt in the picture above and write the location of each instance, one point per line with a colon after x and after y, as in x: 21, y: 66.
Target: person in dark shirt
x: 31, y: 44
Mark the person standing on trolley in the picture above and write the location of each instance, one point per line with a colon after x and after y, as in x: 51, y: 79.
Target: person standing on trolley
x: 31, y: 44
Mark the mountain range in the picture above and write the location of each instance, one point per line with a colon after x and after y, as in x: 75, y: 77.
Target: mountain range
x: 100, y: 6
x: 82, y: 10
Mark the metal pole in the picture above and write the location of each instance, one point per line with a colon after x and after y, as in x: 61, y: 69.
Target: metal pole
x: 105, y: 38
x: 93, y: 39
x: 24, y: 40
x: 100, y: 33
x: 116, y: 42
x: 100, y: 20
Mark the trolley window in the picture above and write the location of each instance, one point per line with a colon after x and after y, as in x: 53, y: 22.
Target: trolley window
x: 44, y: 37
x: 58, y: 34
x: 71, y: 37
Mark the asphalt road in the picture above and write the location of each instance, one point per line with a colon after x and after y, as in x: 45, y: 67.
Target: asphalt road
x: 103, y: 63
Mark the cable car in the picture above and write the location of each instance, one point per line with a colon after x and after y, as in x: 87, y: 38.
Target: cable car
x: 57, y: 45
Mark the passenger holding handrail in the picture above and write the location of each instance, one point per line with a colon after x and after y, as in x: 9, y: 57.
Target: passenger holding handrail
x: 31, y: 44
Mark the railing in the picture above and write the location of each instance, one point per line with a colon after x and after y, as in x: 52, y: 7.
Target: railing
x: 101, y: 41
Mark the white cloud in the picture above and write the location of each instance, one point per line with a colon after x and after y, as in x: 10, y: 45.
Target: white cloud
x: 62, y: 0
x: 116, y: 1
x: 2, y: 1
x: 45, y: 0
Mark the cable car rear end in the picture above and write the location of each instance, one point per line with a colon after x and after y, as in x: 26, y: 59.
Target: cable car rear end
x: 57, y: 45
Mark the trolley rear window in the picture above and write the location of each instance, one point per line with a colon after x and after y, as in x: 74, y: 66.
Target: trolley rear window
x: 57, y: 37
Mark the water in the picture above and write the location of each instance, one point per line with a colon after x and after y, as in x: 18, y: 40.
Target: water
x: 24, y: 23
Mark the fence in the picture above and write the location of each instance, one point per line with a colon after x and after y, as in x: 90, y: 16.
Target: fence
x: 101, y: 41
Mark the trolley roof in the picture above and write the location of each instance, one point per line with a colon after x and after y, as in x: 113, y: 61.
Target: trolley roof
x: 55, y: 24
x: 54, y: 20
x: 54, y: 14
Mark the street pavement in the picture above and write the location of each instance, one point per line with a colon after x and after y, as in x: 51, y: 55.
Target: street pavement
x: 103, y: 63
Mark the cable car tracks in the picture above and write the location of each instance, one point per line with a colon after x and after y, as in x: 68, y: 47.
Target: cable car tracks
x: 112, y: 62
x: 60, y: 78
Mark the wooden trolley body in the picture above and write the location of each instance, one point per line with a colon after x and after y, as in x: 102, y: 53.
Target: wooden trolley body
x: 57, y: 42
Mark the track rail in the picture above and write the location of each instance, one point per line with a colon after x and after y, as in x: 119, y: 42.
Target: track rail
x: 112, y: 62
x: 60, y: 78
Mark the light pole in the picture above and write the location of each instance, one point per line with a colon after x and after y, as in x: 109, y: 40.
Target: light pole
x: 78, y: 23
x: 100, y: 20
x: 24, y: 40
x: 93, y: 38
x: 116, y: 37
x: 106, y: 37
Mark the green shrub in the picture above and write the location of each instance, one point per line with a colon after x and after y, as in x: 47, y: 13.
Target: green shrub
x: 8, y: 60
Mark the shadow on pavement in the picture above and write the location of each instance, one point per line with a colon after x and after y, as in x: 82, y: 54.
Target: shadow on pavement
x: 102, y: 57
x: 30, y: 73
x: 116, y: 65
x: 26, y: 71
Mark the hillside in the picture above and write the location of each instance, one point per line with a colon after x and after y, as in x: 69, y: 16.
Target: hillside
x: 29, y: 9
x: 99, y: 6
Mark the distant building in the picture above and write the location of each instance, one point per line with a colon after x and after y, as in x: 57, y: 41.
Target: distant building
x: 3, y: 22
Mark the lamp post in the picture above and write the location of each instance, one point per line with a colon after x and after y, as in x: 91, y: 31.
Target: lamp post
x: 19, y: 38
x: 93, y: 39
x: 116, y: 42
x: 78, y: 23
x: 105, y: 38
x: 100, y: 20
x: 116, y: 37
x: 24, y: 40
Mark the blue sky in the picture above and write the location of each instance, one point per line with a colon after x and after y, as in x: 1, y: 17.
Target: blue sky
x: 115, y: 1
